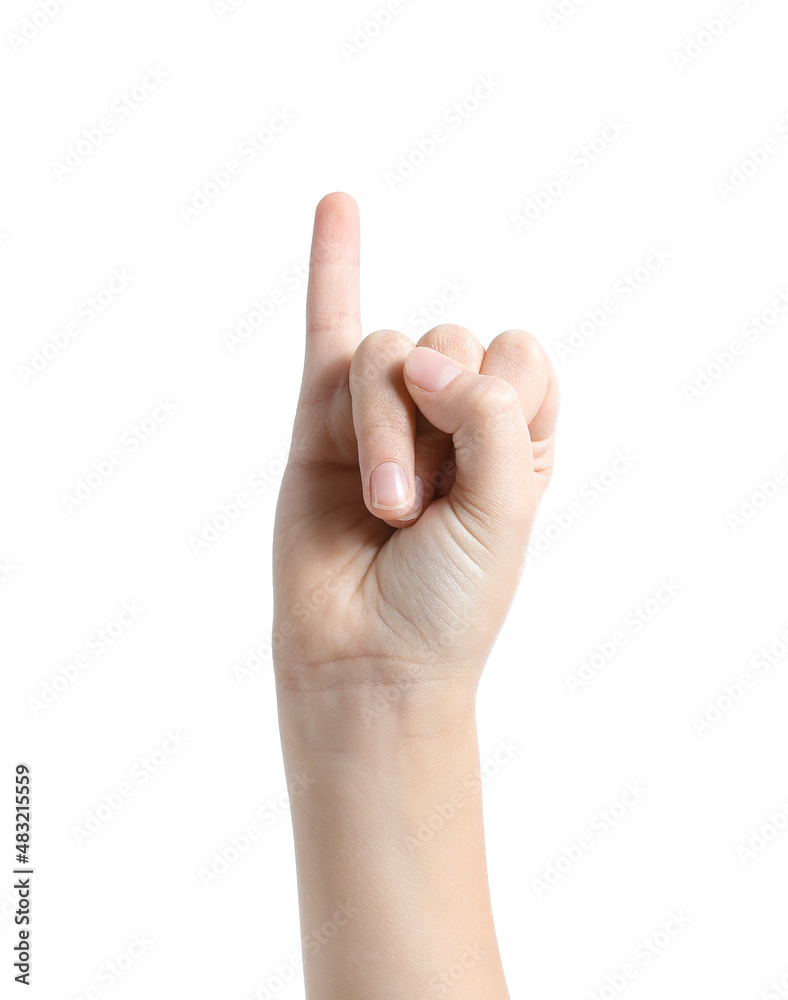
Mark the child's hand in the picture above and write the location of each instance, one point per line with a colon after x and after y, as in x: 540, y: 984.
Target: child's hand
x: 411, y: 490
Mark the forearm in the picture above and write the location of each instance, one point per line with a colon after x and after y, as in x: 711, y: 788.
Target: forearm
x: 389, y: 842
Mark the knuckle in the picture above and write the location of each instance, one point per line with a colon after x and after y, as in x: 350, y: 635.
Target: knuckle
x: 330, y: 322
x: 448, y: 330
x: 493, y: 395
x: 454, y: 341
x: 495, y: 412
x: 377, y: 427
x: 520, y: 349
x: 384, y: 340
x: 377, y: 356
x: 517, y: 338
x: 327, y: 252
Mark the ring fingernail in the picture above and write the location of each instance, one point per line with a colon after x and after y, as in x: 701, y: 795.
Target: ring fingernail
x: 388, y: 486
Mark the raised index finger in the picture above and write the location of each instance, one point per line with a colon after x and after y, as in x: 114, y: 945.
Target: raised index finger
x: 333, y: 312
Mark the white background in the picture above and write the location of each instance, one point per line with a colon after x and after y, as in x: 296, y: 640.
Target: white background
x: 69, y: 567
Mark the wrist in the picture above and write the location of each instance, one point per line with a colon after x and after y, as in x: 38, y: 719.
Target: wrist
x: 363, y: 716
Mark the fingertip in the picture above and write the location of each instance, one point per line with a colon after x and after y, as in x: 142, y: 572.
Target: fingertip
x: 336, y: 238
x: 337, y: 205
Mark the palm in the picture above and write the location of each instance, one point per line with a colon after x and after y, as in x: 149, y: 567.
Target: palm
x: 370, y: 584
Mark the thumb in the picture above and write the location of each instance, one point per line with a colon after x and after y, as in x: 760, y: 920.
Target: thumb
x: 493, y: 494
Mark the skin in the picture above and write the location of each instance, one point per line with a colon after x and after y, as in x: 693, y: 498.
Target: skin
x: 387, y: 604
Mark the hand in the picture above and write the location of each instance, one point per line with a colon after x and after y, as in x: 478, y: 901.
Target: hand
x: 411, y: 489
